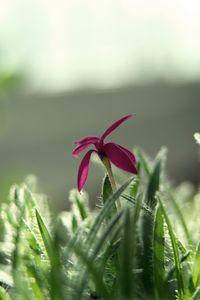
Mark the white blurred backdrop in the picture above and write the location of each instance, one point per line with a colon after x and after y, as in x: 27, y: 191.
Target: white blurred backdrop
x: 63, y: 44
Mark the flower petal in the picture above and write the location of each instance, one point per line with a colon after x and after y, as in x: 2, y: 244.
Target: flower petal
x: 83, y: 170
x: 120, y: 158
x: 80, y: 148
x: 114, y: 126
x: 88, y: 139
x: 128, y: 152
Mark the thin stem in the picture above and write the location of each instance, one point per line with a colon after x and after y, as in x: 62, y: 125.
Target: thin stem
x: 108, y: 167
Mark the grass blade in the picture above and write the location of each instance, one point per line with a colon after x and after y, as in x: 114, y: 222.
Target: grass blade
x: 3, y: 294
x: 128, y: 253
x: 105, y: 211
x: 196, y: 295
x: 196, y: 267
x: 147, y: 228
x: 91, y: 267
x: 158, y: 255
x: 98, y: 246
x: 52, y: 248
x: 179, y: 215
x: 45, y: 234
x: 177, y: 261
x: 106, y: 189
x: 143, y: 206
x: 143, y: 161
x: 126, y: 280
x: 153, y: 186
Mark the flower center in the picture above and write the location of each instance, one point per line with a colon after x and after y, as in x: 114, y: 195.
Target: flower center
x: 102, y: 154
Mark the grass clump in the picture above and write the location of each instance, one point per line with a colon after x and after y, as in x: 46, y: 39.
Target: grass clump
x: 149, y: 249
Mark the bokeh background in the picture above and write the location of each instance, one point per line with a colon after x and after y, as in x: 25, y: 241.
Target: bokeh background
x: 69, y: 68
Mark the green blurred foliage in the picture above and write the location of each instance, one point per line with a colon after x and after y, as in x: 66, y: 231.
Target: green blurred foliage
x: 85, y: 254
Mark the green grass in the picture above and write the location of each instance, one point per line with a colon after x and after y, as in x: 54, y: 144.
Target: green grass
x: 150, y: 249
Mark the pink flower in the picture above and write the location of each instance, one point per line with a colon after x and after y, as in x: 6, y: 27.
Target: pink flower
x: 118, y: 155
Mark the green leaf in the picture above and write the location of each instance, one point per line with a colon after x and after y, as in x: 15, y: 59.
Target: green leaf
x: 134, y: 187
x: 196, y: 267
x: 153, y: 185
x: 99, y: 244
x: 52, y: 248
x: 181, y: 219
x: 106, y: 194
x: 35, y: 270
x: 173, y: 268
x: 196, y: 295
x: 143, y: 161
x: 106, y: 189
x: 147, y: 228
x: 177, y: 261
x: 128, y: 260
x: 45, y: 234
x: 79, y: 205
x: 105, y: 211
x: 143, y: 205
x: 158, y: 255
x: 3, y: 294
x: 17, y: 240
x: 93, y: 271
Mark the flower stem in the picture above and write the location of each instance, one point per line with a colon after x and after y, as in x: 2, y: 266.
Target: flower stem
x: 108, y: 167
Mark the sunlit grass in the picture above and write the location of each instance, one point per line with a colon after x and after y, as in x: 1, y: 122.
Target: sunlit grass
x: 149, y: 249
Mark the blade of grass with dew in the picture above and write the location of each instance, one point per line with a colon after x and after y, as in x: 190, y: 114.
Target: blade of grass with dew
x: 159, y: 256
x: 178, y: 269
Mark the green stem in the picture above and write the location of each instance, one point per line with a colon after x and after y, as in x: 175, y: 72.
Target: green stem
x: 108, y: 167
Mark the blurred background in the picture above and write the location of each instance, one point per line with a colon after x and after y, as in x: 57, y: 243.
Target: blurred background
x: 69, y: 68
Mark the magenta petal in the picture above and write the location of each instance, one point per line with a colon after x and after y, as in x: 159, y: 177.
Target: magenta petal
x: 80, y: 148
x: 88, y: 139
x: 114, y: 126
x: 83, y: 169
x: 120, y: 158
x: 128, y: 152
